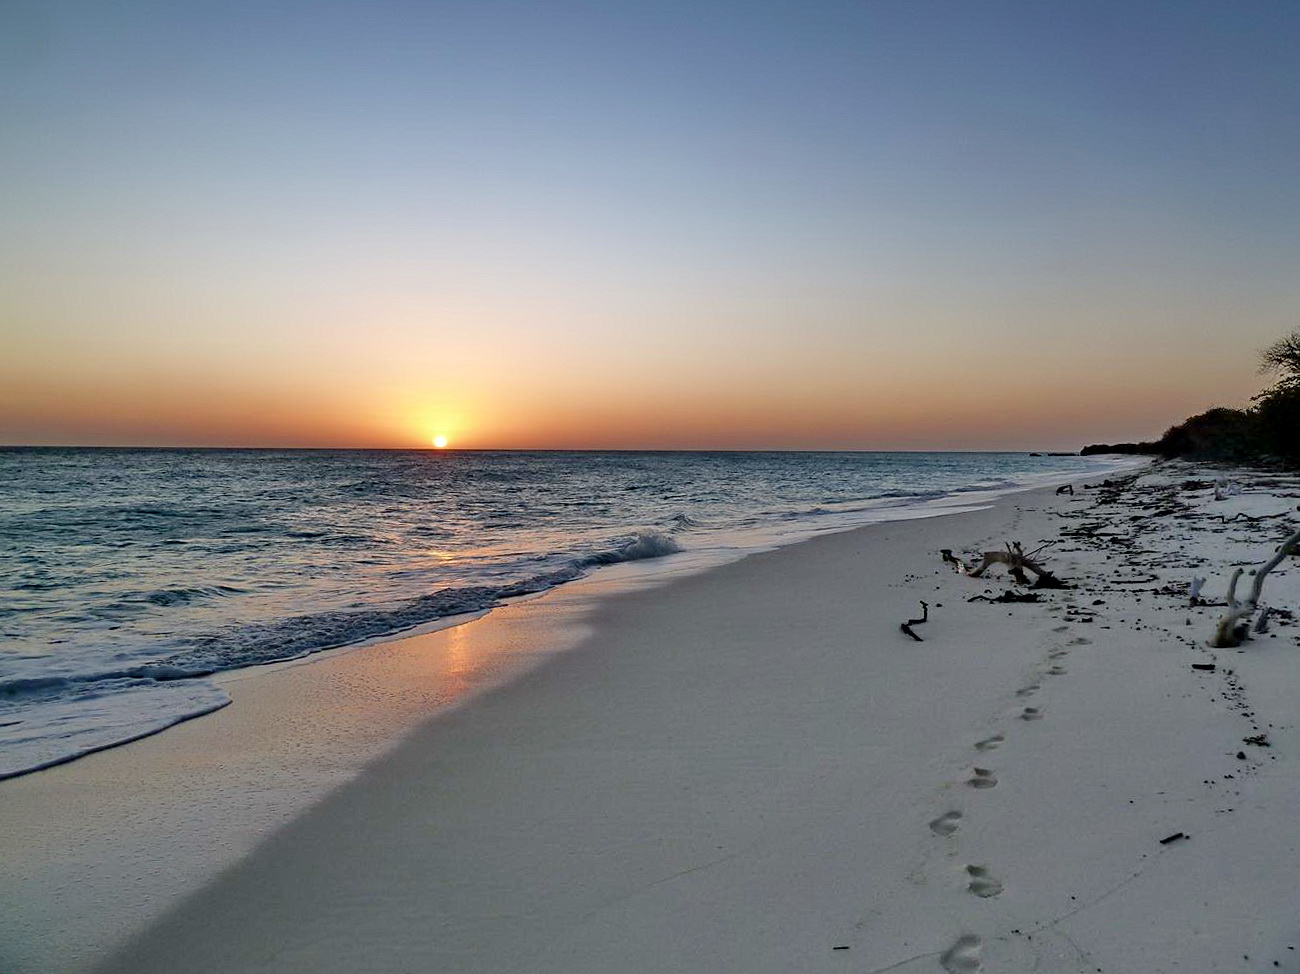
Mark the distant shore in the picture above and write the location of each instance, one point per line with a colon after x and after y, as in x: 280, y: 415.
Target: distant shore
x: 753, y: 769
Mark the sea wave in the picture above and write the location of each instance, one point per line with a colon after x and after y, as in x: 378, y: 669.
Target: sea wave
x: 184, y: 596
x: 885, y: 499
x: 46, y: 720
x: 649, y: 544
x: 41, y: 726
x: 682, y: 521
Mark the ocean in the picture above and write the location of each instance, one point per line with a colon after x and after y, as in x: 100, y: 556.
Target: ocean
x: 128, y: 577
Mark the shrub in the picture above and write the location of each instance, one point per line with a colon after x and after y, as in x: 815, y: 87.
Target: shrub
x: 1088, y: 451
x: 1278, y: 415
x: 1269, y: 429
x: 1277, y: 409
x: 1217, y: 434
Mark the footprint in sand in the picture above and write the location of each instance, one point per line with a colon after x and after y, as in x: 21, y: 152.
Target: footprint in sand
x: 1080, y: 641
x: 946, y: 824
x: 982, y: 778
x: 1058, y: 653
x: 1027, y: 691
x: 989, y: 743
x: 1031, y: 713
x: 981, y: 883
x: 1057, y: 670
x: 963, y: 956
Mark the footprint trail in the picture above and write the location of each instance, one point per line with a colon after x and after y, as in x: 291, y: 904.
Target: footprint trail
x: 989, y: 743
x: 982, y: 883
x: 946, y: 824
x: 963, y: 956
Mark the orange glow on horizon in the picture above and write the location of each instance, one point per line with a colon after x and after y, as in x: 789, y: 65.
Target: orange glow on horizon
x: 845, y: 404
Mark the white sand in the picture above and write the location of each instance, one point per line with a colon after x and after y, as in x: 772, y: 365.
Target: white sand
x: 94, y: 849
x: 747, y: 769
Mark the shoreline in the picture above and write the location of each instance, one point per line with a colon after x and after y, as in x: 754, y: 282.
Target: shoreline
x: 651, y: 551
x: 885, y: 803
x: 105, y: 842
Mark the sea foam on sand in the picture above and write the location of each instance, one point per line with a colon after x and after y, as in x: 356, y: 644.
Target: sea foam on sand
x: 753, y: 770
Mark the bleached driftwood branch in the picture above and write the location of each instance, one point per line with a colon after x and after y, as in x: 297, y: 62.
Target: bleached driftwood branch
x: 1261, y: 624
x: 1287, y: 547
x: 1234, y: 626
x: 1225, y: 633
x: 1014, y: 557
x: 1224, y: 489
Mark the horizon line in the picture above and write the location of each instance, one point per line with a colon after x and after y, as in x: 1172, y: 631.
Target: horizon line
x: 510, y: 449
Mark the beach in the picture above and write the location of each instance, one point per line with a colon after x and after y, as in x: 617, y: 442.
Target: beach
x: 650, y: 488
x: 750, y: 768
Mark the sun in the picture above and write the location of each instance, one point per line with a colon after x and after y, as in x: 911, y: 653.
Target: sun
x: 440, y: 442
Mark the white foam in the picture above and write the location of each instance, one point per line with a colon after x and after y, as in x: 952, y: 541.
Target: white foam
x: 48, y: 729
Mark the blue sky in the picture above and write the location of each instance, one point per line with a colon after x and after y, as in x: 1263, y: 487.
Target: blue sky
x: 814, y: 200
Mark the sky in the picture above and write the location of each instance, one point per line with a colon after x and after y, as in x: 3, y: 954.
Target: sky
x: 716, y: 224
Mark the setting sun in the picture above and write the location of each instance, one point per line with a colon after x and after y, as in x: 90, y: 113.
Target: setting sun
x: 440, y: 441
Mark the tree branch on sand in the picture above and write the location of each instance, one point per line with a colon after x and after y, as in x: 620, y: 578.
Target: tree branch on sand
x: 1234, y: 627
x: 907, y: 626
x: 1014, y: 557
x: 1261, y: 624
x: 950, y: 559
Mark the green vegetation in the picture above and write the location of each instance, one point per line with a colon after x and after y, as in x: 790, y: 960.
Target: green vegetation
x: 1277, y: 408
x: 1269, y: 431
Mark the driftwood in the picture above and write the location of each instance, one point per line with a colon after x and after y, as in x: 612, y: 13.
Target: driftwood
x: 1066, y: 489
x: 1014, y: 557
x: 1261, y: 624
x: 1234, y: 627
x: 1224, y: 489
x: 1231, y: 630
x: 907, y: 626
x: 950, y: 559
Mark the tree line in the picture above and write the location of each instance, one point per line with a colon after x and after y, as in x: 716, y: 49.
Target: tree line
x: 1267, y: 431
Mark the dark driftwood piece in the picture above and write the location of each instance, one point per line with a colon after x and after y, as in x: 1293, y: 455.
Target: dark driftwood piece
x: 1066, y: 489
x: 907, y: 626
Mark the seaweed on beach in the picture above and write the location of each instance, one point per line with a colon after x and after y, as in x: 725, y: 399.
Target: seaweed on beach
x: 1007, y: 597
